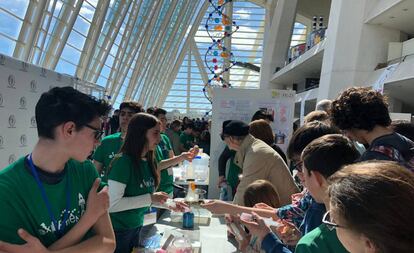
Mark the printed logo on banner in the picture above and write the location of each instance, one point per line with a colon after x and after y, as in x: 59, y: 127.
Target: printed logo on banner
x: 59, y: 77
x: 1, y: 142
x: 23, y: 140
x: 12, y: 121
x: 12, y: 158
x: 1, y: 100
x: 12, y: 82
x: 33, y: 122
x: 2, y: 59
x: 33, y: 86
x: 25, y: 66
x: 43, y: 72
x: 23, y: 103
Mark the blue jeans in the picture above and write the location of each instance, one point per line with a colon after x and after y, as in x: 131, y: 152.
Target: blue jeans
x: 126, y: 240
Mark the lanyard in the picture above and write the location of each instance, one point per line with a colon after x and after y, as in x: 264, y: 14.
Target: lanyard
x: 58, y: 232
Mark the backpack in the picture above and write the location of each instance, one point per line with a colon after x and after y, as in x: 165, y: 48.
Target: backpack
x: 405, y: 159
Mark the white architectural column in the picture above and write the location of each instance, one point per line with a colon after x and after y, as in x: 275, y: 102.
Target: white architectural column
x: 353, y: 49
x: 278, y: 32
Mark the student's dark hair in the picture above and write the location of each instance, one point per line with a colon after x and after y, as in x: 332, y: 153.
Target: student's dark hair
x: 360, y: 108
x: 375, y: 199
x: 63, y: 104
x: 136, y: 141
x: 260, y: 129
x: 205, y: 136
x: 261, y: 191
x: 159, y: 111
x: 305, y: 134
x: 189, y: 125
x: 151, y: 110
x: 134, y: 106
x: 175, y: 123
x: 262, y: 114
x: 404, y: 127
x: 316, y: 116
x: 328, y: 154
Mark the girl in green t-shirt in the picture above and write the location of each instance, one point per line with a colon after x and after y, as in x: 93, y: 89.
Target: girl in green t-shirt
x: 132, y: 180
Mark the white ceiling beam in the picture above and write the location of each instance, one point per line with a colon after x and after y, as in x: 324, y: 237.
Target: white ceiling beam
x: 227, y: 42
x: 201, y: 67
x: 261, y: 3
x: 173, y: 74
x: 92, y: 38
x: 35, y: 13
x: 246, y: 76
x: 119, y: 69
x: 61, y: 32
x: 169, y: 61
x: 153, y: 56
x: 158, y: 64
x: 143, y: 46
x: 107, y: 36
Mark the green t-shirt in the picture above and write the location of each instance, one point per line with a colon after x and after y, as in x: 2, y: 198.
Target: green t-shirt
x: 161, y: 153
x: 104, y: 153
x: 320, y: 240
x: 22, y: 205
x: 186, y: 140
x: 138, y: 182
x: 234, y: 172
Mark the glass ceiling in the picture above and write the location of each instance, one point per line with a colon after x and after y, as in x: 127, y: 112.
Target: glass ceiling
x: 149, y: 51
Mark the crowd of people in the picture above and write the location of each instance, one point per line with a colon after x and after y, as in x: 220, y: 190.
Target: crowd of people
x: 345, y: 183
x: 355, y: 167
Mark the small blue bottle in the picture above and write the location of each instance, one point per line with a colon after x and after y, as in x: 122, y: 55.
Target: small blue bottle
x: 223, y: 192
x: 188, y: 220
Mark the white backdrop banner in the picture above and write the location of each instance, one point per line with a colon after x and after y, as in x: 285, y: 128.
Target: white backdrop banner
x: 241, y: 104
x: 21, y: 85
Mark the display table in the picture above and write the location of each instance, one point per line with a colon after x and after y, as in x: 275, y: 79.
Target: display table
x: 212, y: 234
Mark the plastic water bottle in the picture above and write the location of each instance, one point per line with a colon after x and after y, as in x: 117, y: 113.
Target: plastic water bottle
x: 201, y: 166
x: 190, y: 171
x: 224, y: 192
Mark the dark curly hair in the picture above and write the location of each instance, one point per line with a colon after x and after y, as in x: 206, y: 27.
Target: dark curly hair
x: 360, y: 108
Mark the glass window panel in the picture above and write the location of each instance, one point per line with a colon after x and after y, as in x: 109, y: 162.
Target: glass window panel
x: 7, y: 46
x: 177, y: 93
x: 76, y: 40
x: 87, y: 11
x: 102, y: 81
x: 82, y: 26
x: 65, y: 67
x: 70, y: 54
x: 176, y: 99
x: 200, y: 106
x: 105, y: 71
x: 175, y: 104
x: 18, y: 8
x: 13, y: 26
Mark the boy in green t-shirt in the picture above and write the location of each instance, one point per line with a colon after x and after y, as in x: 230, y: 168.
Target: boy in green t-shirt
x: 110, y: 145
x: 187, y: 137
x: 50, y: 199
x: 322, y: 158
x: 173, y: 134
x: 165, y: 156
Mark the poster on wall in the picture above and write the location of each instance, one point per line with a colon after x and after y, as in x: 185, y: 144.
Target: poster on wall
x: 21, y: 85
x: 241, y: 104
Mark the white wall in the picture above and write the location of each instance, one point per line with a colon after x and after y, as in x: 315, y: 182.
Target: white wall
x: 241, y: 104
x: 21, y: 85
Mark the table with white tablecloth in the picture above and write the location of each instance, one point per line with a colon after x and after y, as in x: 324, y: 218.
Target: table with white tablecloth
x: 210, y: 231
